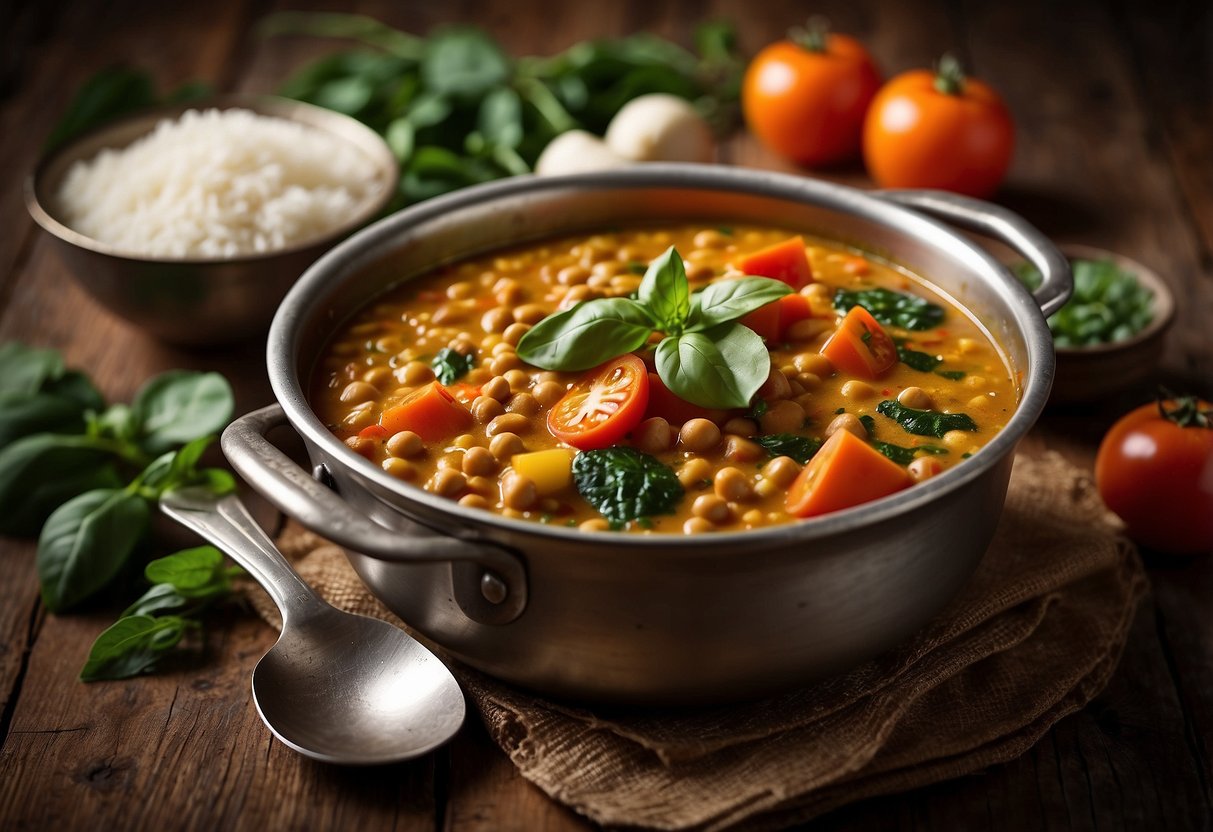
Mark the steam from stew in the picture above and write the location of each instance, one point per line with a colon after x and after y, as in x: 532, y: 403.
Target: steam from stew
x: 598, y: 382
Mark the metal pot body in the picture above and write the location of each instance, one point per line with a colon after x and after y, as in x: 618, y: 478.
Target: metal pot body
x: 656, y: 618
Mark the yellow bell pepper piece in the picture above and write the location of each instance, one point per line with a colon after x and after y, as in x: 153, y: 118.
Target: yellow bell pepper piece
x: 550, y: 470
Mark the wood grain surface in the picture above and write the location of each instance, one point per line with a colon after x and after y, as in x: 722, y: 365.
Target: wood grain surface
x: 1114, y: 108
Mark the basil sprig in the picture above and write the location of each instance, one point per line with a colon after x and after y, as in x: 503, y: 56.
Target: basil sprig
x: 705, y: 357
x: 184, y: 584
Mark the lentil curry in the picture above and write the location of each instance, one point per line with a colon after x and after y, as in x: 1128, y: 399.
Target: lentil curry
x: 661, y: 418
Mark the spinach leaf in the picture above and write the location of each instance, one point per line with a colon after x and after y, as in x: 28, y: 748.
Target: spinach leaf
x: 925, y: 422
x: 131, y: 645
x: 624, y: 484
x: 586, y: 335
x: 665, y: 293
x: 799, y: 448
x: 728, y: 300
x: 923, y: 362
x: 451, y: 365
x: 86, y: 541
x: 180, y: 405
x: 463, y: 61
x: 41, y: 471
x: 891, y: 308
x: 954, y: 375
x: 499, y: 119
x: 720, y: 367
x: 904, y: 456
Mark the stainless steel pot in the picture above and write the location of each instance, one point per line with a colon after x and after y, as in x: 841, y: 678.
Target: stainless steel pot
x: 658, y: 618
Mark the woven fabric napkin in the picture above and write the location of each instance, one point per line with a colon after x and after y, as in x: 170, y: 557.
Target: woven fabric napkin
x: 1034, y: 637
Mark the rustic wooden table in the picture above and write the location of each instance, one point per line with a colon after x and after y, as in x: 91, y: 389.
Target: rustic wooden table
x: 1115, y: 116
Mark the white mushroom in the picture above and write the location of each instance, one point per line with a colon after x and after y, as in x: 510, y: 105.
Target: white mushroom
x: 576, y: 152
x: 660, y: 128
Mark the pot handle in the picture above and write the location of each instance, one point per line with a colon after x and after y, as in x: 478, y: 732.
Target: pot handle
x: 489, y: 581
x: 1056, y: 281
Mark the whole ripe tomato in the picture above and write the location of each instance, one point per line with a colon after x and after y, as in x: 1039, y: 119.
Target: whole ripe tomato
x: 1155, y: 470
x: 805, y: 97
x: 938, y: 130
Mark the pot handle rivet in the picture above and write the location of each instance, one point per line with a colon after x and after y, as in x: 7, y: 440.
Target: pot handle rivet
x: 493, y: 588
x: 321, y: 475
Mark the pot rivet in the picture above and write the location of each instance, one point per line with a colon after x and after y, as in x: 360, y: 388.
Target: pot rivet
x: 493, y: 588
x: 321, y: 474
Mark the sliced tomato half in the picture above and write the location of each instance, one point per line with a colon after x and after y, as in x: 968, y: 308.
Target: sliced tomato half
x: 603, y: 406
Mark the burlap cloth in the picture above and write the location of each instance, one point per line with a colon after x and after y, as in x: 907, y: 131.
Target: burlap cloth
x: 1034, y: 637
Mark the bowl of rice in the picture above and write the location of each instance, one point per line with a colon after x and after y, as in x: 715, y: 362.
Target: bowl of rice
x: 192, y: 221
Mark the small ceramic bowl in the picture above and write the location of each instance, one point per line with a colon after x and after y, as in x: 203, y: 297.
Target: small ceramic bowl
x: 1094, y: 372
x: 199, y: 300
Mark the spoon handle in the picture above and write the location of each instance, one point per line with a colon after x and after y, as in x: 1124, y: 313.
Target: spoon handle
x: 225, y: 522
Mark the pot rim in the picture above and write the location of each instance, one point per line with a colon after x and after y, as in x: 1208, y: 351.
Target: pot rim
x: 285, y: 329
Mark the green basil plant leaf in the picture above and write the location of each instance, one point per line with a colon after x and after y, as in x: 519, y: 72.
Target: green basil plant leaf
x: 41, y: 471
x: 463, y: 61
x: 187, y: 570
x: 720, y: 367
x: 586, y: 335
x: 664, y: 291
x: 22, y: 414
x: 24, y: 370
x: 86, y: 541
x: 132, y: 645
x: 159, y: 598
x: 728, y: 300
x: 180, y: 405
x: 451, y: 365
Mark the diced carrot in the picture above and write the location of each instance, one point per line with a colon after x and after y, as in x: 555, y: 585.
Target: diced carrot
x: 674, y: 410
x: 860, y: 347
x: 787, y: 261
x: 846, y: 472
x: 857, y: 265
x: 792, y: 308
x: 430, y: 412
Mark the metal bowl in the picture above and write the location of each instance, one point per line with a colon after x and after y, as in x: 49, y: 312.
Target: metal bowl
x: 203, y: 300
x: 658, y: 618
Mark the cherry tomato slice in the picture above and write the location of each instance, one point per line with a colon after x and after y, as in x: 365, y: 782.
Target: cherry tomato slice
x: 604, y: 406
x: 846, y: 472
x: 860, y: 347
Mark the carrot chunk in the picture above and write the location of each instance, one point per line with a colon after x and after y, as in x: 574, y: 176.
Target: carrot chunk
x: 430, y: 412
x: 860, y: 347
x: 846, y: 472
x: 787, y: 261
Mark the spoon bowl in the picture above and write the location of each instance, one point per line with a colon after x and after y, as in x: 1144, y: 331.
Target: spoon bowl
x: 336, y: 687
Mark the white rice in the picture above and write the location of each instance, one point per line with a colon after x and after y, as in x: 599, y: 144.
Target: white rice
x: 216, y: 184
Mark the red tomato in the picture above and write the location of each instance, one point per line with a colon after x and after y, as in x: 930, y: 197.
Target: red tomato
x: 806, y: 98
x: 938, y: 130
x: 1155, y: 470
x: 604, y: 406
x: 860, y: 346
x: 846, y: 472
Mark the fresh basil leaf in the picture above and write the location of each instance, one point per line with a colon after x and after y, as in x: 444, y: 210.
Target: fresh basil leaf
x: 187, y: 570
x: 500, y: 117
x: 217, y: 481
x: 75, y: 386
x: 623, y: 484
x: 131, y: 645
x: 24, y: 370
x: 923, y: 362
x: 463, y: 61
x: 117, y: 422
x: 180, y: 405
x: 586, y: 335
x: 728, y: 300
x: 892, y: 308
x: 41, y: 471
x: 925, y: 422
x: 401, y: 137
x: 800, y: 448
x: 451, y: 365
x: 904, y: 456
x: 664, y: 291
x: 721, y: 367
x: 23, y: 414
x: 105, y: 96
x: 85, y: 542
x: 159, y: 598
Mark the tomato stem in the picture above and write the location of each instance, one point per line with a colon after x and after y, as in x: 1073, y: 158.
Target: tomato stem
x: 813, y: 36
x: 949, y: 75
x: 1186, y: 411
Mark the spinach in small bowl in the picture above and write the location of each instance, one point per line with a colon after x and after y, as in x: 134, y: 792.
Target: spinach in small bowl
x: 1109, y: 304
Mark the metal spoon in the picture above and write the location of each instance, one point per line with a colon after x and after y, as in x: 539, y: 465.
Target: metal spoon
x: 337, y: 687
